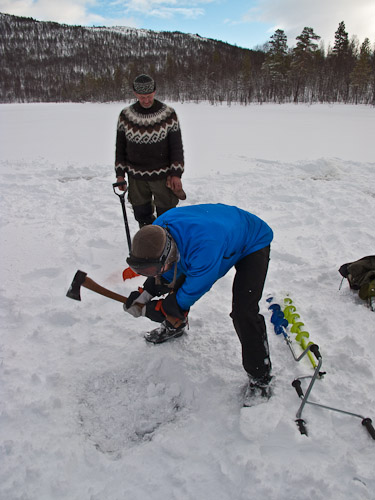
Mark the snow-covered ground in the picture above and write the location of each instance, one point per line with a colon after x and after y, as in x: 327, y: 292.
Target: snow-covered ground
x: 88, y: 410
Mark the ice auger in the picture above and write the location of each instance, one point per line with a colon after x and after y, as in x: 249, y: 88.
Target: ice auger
x: 281, y: 319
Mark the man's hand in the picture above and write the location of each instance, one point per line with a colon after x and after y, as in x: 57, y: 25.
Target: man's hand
x: 174, y: 183
x: 121, y: 179
x: 135, y: 303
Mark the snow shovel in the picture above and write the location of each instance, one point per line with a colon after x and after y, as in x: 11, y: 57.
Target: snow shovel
x: 127, y: 273
x: 121, y: 195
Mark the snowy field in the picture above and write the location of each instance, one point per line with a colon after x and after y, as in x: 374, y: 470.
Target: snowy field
x: 88, y: 410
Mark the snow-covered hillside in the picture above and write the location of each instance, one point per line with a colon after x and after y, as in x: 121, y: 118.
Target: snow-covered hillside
x: 88, y: 410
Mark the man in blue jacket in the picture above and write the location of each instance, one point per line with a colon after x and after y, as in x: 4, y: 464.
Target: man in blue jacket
x: 184, y: 252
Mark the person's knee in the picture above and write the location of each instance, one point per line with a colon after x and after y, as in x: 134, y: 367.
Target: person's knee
x: 250, y: 314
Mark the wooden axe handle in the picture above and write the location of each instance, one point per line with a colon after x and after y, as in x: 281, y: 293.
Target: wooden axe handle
x: 91, y: 285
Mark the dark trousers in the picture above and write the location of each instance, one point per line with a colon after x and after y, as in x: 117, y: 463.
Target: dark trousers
x: 146, y: 195
x: 250, y: 326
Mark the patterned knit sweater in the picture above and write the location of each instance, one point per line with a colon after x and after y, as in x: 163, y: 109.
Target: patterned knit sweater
x: 148, y: 143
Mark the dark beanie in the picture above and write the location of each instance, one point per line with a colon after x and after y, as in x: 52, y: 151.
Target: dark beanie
x: 144, y: 84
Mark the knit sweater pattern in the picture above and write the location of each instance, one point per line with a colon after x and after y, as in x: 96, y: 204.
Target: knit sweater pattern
x: 148, y: 142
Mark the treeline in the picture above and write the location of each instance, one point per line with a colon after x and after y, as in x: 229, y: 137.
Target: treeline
x: 306, y: 74
x: 50, y: 62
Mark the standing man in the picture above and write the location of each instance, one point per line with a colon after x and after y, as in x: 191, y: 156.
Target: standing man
x: 184, y: 253
x: 149, y: 149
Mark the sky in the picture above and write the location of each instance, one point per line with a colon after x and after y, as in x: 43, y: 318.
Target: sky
x: 246, y: 23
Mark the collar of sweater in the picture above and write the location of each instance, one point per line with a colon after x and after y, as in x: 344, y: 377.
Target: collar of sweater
x: 156, y: 106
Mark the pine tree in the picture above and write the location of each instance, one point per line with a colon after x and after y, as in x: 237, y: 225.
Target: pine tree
x: 342, y: 62
x: 362, y: 74
x: 276, y: 65
x: 341, y: 47
x: 303, y: 62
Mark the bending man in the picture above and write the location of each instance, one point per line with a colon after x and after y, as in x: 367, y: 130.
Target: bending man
x: 183, y: 254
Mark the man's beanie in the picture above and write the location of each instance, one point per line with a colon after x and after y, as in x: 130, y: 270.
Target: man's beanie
x: 144, y: 84
x: 148, y: 242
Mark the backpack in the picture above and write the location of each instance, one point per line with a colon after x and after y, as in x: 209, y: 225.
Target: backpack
x: 361, y: 276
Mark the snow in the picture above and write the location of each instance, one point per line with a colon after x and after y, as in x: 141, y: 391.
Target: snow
x: 88, y: 410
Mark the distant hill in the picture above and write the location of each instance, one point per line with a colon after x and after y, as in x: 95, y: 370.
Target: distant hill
x: 51, y: 62
x: 47, y: 61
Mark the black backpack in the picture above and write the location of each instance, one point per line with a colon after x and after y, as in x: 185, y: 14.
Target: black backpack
x: 361, y: 276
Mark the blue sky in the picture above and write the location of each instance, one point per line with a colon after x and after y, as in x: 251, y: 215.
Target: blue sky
x: 246, y: 23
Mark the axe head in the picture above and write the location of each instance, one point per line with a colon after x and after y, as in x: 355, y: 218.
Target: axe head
x: 74, y: 291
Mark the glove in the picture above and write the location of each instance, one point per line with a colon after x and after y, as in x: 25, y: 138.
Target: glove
x: 156, y: 289
x: 157, y: 310
x: 170, y: 307
x: 135, y: 298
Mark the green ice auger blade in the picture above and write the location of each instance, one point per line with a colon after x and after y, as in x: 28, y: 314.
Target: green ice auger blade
x: 304, y: 345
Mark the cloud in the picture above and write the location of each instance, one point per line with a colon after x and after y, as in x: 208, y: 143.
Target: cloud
x: 166, y: 9
x: 74, y: 12
x: 109, y: 13
x: 66, y: 11
x: 321, y: 15
x: 169, y: 13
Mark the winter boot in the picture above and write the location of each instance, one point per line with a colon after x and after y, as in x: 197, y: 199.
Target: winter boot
x: 166, y: 331
x: 258, y: 390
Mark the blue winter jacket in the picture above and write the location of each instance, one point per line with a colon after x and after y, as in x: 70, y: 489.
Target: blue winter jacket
x: 211, y: 239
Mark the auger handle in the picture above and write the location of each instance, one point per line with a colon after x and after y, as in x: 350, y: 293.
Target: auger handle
x: 367, y: 422
x: 315, y: 350
x: 297, y: 385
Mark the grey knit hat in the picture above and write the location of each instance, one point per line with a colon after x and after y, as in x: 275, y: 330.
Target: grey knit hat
x: 144, y: 84
x: 149, y: 242
x: 153, y: 251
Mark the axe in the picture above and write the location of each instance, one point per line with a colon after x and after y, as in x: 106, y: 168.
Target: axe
x: 81, y: 279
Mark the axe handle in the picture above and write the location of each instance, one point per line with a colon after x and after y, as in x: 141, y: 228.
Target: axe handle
x: 94, y: 287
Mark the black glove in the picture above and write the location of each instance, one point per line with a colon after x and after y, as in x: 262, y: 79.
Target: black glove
x: 155, y: 289
x: 170, y: 307
x: 153, y: 311
x: 132, y: 297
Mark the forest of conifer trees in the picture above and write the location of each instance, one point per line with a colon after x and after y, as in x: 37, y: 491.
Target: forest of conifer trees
x: 50, y: 62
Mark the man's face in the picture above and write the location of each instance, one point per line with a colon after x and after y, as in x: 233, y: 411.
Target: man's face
x: 145, y: 100
x: 166, y: 268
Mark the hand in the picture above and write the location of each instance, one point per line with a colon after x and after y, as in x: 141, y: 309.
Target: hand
x: 171, y: 308
x: 174, y: 183
x: 137, y: 310
x: 136, y: 301
x: 121, y: 179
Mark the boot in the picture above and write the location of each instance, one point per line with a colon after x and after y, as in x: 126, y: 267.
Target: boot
x: 165, y: 332
x: 257, y: 390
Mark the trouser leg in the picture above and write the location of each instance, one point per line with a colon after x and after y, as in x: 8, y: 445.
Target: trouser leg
x: 140, y: 196
x: 144, y: 214
x: 161, y: 210
x: 248, y: 322
x: 164, y: 197
x: 145, y: 195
